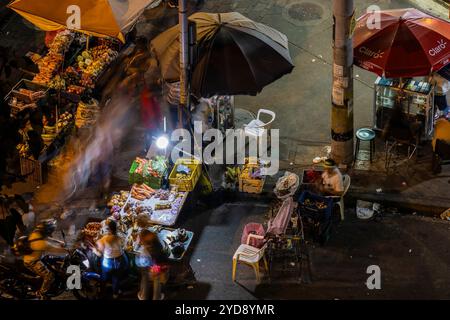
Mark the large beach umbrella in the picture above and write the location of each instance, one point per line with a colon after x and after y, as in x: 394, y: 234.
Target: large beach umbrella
x: 236, y: 55
x: 408, y: 43
x: 102, y: 18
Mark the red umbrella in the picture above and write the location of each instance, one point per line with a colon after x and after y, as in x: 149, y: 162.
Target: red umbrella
x: 409, y: 43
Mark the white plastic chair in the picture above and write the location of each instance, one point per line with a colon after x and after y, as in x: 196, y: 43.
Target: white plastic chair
x: 251, y: 256
x: 347, y: 182
x: 256, y: 127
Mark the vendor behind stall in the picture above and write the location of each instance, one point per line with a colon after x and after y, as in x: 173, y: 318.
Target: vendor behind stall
x: 399, y: 127
x: 332, y: 183
x: 441, y: 89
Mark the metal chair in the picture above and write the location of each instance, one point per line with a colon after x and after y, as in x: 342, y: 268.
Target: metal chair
x: 392, y: 145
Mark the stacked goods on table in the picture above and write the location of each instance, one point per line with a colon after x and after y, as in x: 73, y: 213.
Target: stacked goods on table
x: 161, y: 206
x: 49, y: 64
x: 91, y: 232
x: 118, y: 199
x: 64, y: 120
x: 87, y: 114
x: 91, y: 63
x: 185, y: 174
x: 141, y: 191
x: 24, y: 95
x: 251, y: 180
x: 51, y: 132
x: 149, y: 172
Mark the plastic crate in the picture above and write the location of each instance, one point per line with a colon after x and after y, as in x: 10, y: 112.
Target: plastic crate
x: 251, y: 185
x: 186, y: 184
x: 134, y: 177
x: 153, y: 182
x: 313, y: 211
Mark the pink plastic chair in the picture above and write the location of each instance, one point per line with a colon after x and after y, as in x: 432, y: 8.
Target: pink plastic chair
x: 253, y: 228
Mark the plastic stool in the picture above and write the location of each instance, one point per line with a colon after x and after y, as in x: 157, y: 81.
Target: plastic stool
x: 365, y: 134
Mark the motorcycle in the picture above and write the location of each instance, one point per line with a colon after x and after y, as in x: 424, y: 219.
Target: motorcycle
x: 19, y: 283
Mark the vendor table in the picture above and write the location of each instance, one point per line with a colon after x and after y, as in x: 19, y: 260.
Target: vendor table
x: 164, y: 233
x: 161, y: 217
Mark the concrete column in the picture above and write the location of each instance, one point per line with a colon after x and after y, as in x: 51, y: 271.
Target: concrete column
x: 342, y: 91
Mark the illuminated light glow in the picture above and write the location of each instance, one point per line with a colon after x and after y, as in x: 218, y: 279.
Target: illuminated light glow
x: 162, y: 142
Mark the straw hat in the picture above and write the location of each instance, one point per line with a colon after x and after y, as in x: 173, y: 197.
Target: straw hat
x: 329, y: 164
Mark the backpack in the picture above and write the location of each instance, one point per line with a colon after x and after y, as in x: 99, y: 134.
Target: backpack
x: 22, y: 246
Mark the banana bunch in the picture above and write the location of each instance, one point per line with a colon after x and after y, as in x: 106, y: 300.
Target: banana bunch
x: 232, y: 174
x: 23, y: 149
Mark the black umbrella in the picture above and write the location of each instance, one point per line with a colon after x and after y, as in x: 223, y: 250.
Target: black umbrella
x: 236, y: 55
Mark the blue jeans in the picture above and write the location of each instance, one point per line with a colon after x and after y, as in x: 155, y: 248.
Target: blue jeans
x: 113, y: 268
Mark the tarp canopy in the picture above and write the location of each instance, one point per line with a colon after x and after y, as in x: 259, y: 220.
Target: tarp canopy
x: 101, y: 18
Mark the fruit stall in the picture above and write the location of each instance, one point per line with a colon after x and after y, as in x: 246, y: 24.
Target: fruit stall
x: 153, y: 202
x: 68, y: 72
x: 156, y: 195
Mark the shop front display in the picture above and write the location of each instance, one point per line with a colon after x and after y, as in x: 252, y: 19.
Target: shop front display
x: 24, y: 95
x: 69, y: 69
x: 417, y: 99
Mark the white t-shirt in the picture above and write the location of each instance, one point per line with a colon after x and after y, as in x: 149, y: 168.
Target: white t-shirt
x: 333, y: 181
x: 111, y: 246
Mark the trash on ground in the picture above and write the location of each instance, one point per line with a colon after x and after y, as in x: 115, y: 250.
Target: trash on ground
x: 364, y: 209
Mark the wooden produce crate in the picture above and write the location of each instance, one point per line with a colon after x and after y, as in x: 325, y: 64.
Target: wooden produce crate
x: 186, y: 184
x: 249, y: 185
x: 28, y: 85
x: 34, y: 170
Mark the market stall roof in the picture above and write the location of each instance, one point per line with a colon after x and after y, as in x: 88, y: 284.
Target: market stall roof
x: 408, y: 43
x: 236, y: 55
x: 102, y: 18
